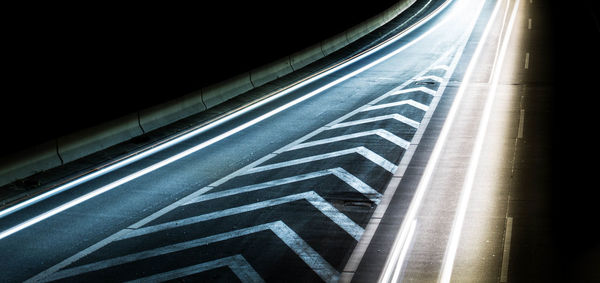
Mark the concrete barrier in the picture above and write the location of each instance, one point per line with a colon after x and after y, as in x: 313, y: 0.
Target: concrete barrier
x: 270, y: 72
x: 306, y: 56
x: 80, y: 144
x: 218, y: 93
x: 358, y: 31
x: 171, y: 111
x: 28, y: 162
x: 334, y: 43
x: 94, y: 139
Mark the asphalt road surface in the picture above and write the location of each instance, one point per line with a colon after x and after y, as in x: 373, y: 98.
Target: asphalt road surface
x: 422, y: 160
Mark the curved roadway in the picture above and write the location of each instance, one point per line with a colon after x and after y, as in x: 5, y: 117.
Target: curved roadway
x: 363, y: 172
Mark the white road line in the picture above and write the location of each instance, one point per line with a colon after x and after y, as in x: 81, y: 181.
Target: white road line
x: 433, y: 78
x: 499, y: 42
x: 527, y: 60
x: 319, y: 265
x: 236, y: 263
x: 368, y: 154
x: 521, y: 124
x: 404, y: 251
x: 398, y: 103
x: 506, y: 251
x: 44, y: 275
x: 450, y: 255
x: 342, y: 174
x: 398, y: 117
x: 379, y: 132
x: 313, y: 198
x: 287, y: 235
x: 529, y: 24
x: 441, y: 67
x: 357, y: 184
x: 415, y: 89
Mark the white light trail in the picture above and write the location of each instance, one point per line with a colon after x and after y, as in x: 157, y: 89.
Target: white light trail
x: 449, y: 257
x: 393, y: 264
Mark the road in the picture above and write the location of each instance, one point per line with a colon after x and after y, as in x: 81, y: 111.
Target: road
x: 405, y: 163
x: 483, y: 212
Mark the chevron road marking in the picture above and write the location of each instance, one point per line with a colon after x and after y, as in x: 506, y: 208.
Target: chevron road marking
x: 409, y: 90
x: 237, y: 263
x: 280, y: 229
x: 368, y: 154
x: 398, y: 117
x: 441, y: 67
x: 380, y: 132
x: 398, y: 103
x: 433, y: 78
x: 350, y: 179
x: 313, y: 198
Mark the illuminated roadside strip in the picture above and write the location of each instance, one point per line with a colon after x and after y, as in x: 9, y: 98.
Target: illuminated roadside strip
x: 393, y: 264
x: 450, y: 255
x: 218, y: 138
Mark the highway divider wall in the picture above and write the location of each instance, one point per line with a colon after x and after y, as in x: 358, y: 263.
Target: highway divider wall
x: 94, y: 139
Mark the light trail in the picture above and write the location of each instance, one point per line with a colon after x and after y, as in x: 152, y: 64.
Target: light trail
x: 393, y: 264
x: 450, y: 255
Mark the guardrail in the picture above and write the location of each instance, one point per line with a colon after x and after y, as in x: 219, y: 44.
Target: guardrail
x: 82, y: 143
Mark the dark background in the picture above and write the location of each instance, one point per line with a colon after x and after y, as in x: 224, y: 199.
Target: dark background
x: 69, y: 66
x: 575, y: 194
x: 73, y: 65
